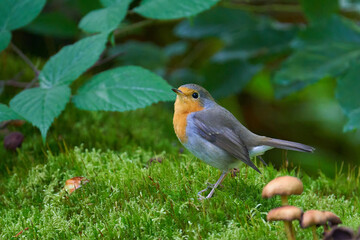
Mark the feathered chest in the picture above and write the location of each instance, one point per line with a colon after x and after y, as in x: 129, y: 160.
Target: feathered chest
x: 183, y: 108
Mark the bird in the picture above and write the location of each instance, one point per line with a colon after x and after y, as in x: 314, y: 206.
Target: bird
x: 215, y: 136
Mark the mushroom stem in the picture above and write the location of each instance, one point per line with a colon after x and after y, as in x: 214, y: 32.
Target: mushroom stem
x: 288, y: 230
x: 315, y: 236
x: 326, y: 227
x: 284, y: 200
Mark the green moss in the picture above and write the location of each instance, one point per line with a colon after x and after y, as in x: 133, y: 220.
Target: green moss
x: 129, y: 198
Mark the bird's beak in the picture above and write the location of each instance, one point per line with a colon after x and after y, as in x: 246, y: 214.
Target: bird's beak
x: 177, y: 91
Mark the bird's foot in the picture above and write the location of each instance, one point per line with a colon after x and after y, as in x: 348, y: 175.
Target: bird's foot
x: 209, y: 186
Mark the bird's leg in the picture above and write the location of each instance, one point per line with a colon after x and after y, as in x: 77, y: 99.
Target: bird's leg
x: 213, y: 187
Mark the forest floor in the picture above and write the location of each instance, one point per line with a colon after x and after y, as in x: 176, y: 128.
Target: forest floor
x: 142, y: 187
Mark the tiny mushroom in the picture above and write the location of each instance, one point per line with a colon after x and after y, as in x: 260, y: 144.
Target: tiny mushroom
x: 283, y: 186
x: 332, y: 219
x: 313, y: 218
x: 339, y: 233
x: 286, y: 214
x: 74, y: 183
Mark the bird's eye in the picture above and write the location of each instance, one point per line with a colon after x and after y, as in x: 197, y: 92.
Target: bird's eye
x: 195, y: 95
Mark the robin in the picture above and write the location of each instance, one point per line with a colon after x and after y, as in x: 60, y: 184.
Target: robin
x: 214, y: 135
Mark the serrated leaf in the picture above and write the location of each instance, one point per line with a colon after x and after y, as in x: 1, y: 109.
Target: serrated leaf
x: 17, y: 13
x: 173, y: 9
x: 5, y: 38
x: 53, y: 24
x: 347, y: 93
x: 308, y: 65
x: 106, y: 19
x: 320, y: 9
x: 123, y: 89
x: 224, y: 79
x: 7, y: 114
x: 40, y: 106
x: 71, y: 61
x: 144, y: 54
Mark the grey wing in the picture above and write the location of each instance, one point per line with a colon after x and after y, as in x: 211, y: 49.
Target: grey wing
x: 222, y: 136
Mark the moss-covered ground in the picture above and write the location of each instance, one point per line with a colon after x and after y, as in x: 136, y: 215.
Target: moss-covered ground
x: 129, y: 198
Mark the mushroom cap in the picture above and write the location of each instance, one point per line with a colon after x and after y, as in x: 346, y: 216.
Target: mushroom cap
x: 339, y: 233
x: 312, y: 217
x: 332, y: 218
x: 285, y: 185
x: 284, y: 213
x: 74, y: 183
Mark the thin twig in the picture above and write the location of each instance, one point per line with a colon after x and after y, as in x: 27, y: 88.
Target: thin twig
x: 108, y: 59
x: 32, y: 82
x: 25, y: 58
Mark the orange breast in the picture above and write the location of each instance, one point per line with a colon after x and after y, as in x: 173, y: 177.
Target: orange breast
x: 180, y: 124
x: 183, y: 107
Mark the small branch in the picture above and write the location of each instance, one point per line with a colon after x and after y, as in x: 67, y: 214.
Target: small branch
x: 14, y: 83
x: 25, y: 58
x: 108, y: 59
x: 32, y: 83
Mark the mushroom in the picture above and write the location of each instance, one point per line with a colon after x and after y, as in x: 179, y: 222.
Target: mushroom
x: 286, y: 214
x: 340, y: 233
x: 74, y: 183
x: 313, y: 218
x: 283, y: 186
x: 332, y: 219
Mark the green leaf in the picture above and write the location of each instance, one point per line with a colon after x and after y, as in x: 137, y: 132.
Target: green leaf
x: 308, y: 65
x: 53, y: 24
x: 7, y: 114
x: 71, y: 61
x: 348, y: 88
x: 123, y: 89
x: 108, y: 3
x: 354, y: 121
x: 5, y: 38
x: 106, y: 19
x: 320, y: 9
x: 176, y: 49
x: 17, y: 13
x: 40, y: 106
x: 173, y: 9
x: 224, y: 79
x: 335, y: 29
x: 217, y: 22
x: 144, y: 54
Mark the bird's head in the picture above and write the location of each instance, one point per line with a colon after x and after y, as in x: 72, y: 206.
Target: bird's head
x: 192, y: 98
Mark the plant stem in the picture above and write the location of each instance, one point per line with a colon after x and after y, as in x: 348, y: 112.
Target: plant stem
x: 25, y: 58
x: 315, y: 236
x: 284, y: 200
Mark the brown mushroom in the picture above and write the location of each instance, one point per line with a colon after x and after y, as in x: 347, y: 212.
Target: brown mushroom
x: 340, y: 233
x: 74, y: 183
x: 332, y: 219
x: 286, y: 214
x: 283, y: 186
x: 313, y: 218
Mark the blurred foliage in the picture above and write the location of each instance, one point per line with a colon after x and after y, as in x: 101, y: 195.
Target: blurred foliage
x: 246, y: 53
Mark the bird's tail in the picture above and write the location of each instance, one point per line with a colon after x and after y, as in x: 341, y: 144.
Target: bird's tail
x: 288, y: 145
